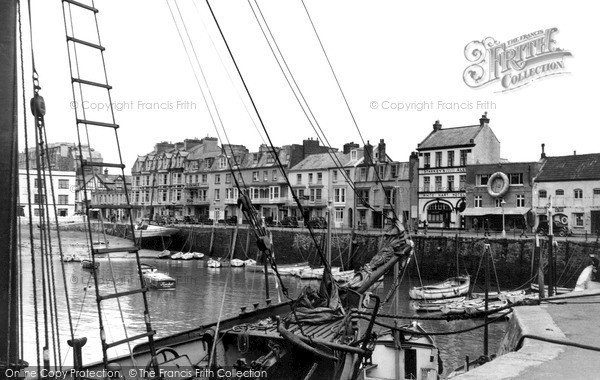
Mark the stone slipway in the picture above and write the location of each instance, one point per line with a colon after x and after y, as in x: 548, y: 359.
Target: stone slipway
x: 572, y: 319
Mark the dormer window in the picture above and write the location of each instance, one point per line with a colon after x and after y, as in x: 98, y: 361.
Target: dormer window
x: 353, y: 154
x: 222, y: 162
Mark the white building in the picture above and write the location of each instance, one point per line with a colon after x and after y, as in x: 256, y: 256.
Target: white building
x: 443, y: 158
x: 64, y: 185
x: 571, y: 186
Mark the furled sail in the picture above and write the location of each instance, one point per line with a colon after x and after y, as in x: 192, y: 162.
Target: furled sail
x: 395, y: 245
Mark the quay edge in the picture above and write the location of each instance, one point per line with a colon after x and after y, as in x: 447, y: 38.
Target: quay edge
x: 575, y: 320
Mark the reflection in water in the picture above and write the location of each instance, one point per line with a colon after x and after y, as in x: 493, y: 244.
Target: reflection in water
x: 196, y: 301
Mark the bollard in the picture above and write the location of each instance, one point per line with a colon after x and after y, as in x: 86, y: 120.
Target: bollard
x: 77, y: 344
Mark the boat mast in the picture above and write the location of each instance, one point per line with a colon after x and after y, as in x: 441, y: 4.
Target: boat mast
x: 9, y: 320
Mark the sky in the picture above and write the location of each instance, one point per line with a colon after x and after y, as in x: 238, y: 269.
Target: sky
x: 400, y: 65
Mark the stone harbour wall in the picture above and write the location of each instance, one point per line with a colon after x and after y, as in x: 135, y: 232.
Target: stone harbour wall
x: 437, y: 256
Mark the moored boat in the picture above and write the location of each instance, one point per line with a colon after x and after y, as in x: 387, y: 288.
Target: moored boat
x: 187, y: 256
x: 198, y: 255
x: 249, y: 262
x: 434, y: 305
x: 212, y: 263
x: 237, y: 263
x: 461, y: 306
x: 159, y: 280
x: 492, y: 306
x: 316, y: 273
x: 177, y: 256
x: 164, y: 254
x: 89, y: 264
x: 452, y: 287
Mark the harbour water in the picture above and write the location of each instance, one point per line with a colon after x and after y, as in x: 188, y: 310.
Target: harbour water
x: 200, y: 294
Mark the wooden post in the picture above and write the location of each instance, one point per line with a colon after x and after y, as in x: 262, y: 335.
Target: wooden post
x: 247, y: 241
x: 233, y: 242
x: 487, y: 289
x: 457, y: 252
x: 551, y: 279
x: 212, y: 239
x: 540, y: 256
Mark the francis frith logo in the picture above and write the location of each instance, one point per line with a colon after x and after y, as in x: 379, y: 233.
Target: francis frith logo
x: 515, y: 63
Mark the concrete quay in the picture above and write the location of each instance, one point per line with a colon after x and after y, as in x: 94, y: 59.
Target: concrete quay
x: 576, y: 320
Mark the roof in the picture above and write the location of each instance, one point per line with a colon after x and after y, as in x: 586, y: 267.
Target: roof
x: 324, y: 161
x: 447, y: 137
x: 570, y: 168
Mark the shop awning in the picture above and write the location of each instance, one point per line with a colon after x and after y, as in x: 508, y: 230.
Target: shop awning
x: 480, y: 211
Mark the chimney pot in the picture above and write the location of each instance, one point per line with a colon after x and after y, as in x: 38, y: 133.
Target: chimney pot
x: 437, y: 126
x: 574, y: 153
x: 484, y: 119
x: 543, y: 151
x: 105, y: 171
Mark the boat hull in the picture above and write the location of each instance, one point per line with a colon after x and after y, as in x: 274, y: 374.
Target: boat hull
x: 452, y: 287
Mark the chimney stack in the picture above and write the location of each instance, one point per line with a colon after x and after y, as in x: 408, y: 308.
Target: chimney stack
x: 484, y: 119
x: 574, y: 153
x: 543, y: 152
x: 105, y: 171
x: 349, y: 146
x: 437, y: 126
x: 368, y: 154
x: 381, y: 151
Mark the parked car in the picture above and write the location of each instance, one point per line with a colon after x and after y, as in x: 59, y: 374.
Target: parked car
x: 318, y: 222
x: 558, y: 229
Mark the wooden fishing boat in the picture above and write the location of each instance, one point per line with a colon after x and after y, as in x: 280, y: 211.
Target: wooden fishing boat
x: 198, y: 255
x: 435, y: 305
x: 249, y: 262
x: 452, y: 287
x: 177, y: 256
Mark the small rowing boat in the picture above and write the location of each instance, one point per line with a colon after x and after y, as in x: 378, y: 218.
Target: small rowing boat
x: 165, y: 254
x: 237, y: 263
x: 187, y: 256
x: 89, y: 264
x: 435, y: 305
x: 212, y: 263
x: 452, y: 287
x: 159, y: 280
x: 198, y: 255
x: 176, y: 256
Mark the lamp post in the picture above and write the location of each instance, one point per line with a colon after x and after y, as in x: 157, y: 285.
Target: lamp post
x: 502, y: 203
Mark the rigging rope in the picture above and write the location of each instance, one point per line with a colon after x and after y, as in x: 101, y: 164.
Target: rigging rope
x: 29, y: 203
x: 302, y: 102
x: 378, y: 179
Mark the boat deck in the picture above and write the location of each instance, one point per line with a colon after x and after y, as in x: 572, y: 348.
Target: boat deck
x: 326, y: 331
